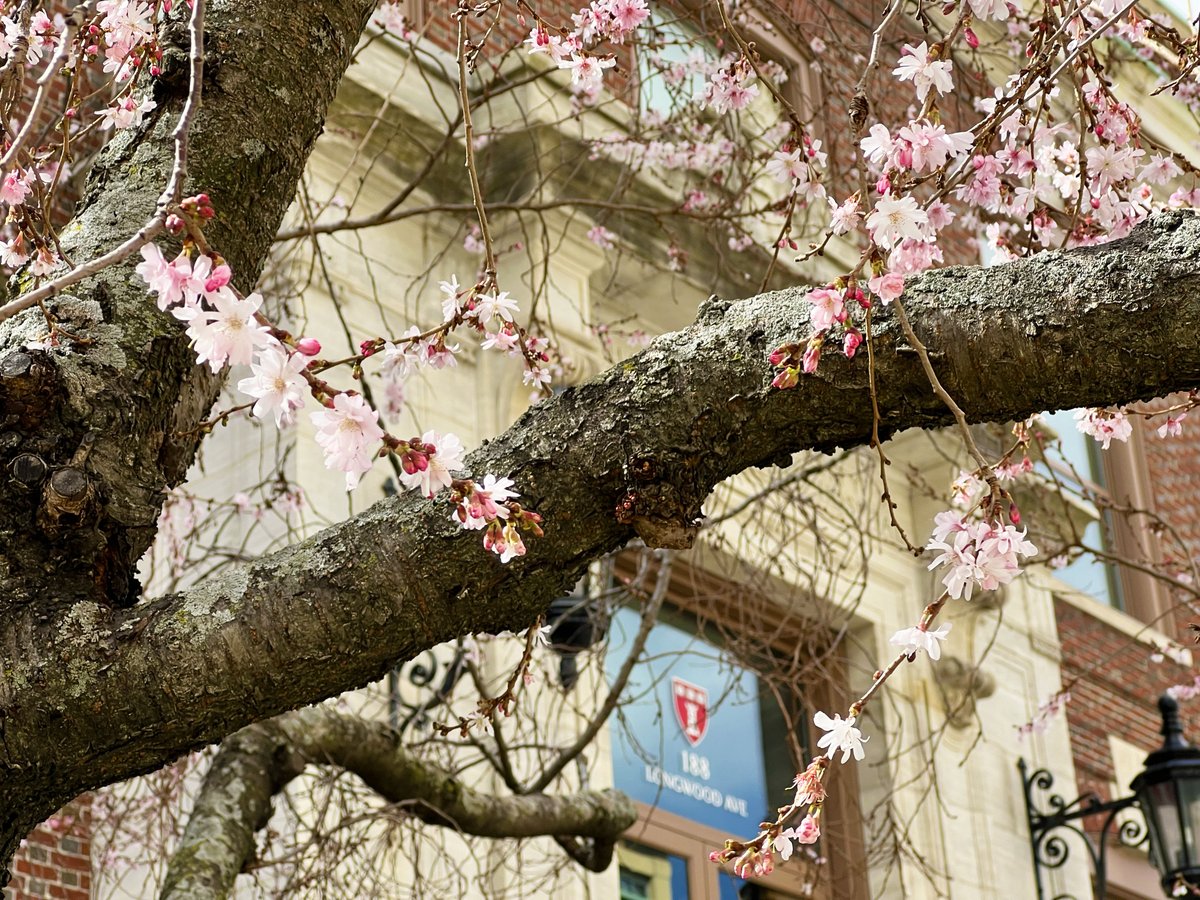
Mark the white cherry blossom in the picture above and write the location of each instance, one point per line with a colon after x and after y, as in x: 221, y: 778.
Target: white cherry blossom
x: 915, y: 639
x: 277, y: 384
x: 840, y: 734
x: 348, y: 432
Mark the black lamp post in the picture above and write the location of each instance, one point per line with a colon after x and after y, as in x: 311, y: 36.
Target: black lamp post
x: 1167, y: 792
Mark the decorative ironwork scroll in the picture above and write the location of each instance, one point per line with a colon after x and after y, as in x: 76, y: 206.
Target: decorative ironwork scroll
x: 1051, y: 823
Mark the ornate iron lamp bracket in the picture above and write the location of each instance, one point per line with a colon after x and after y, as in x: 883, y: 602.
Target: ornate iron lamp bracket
x: 1050, y: 847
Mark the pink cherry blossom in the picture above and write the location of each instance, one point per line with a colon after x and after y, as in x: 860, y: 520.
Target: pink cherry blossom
x: 125, y: 113
x: 587, y: 72
x: 446, y: 458
x: 916, y: 66
x: 810, y: 827
x: 1173, y: 427
x: 168, y: 280
x: 485, y: 502
x: 230, y: 333
x: 14, y: 188
x: 1105, y: 426
x: 977, y: 554
x: 348, y: 432
x: 887, y: 286
x: 828, y: 308
x: 601, y: 237
x: 932, y: 146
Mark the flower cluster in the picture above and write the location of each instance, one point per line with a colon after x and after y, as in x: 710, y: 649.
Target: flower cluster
x: 612, y: 20
x: 1104, y: 425
x: 977, y: 553
x: 730, y: 88
x: 1045, y: 715
x: 228, y: 329
x: 490, y: 507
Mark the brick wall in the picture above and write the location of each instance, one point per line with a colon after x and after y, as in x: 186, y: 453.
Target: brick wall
x: 55, y: 860
x: 1174, y: 468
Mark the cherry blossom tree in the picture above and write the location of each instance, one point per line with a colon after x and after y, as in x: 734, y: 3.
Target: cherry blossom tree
x: 120, y: 326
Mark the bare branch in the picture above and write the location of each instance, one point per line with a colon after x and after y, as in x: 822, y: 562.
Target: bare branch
x: 255, y: 764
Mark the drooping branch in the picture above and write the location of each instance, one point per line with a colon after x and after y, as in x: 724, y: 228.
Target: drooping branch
x: 650, y: 437
x: 257, y: 762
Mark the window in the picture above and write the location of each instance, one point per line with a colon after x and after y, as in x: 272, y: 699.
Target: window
x: 1114, y: 476
x: 667, y: 76
x: 649, y: 874
x: 702, y: 749
x: 1082, y: 467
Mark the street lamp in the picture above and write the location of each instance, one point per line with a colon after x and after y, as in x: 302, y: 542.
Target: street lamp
x: 1167, y: 792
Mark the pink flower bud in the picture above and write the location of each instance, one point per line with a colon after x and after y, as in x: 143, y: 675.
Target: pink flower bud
x: 308, y: 346
x: 812, y: 356
x: 1014, y: 514
x: 780, y: 354
x: 787, y: 378
x: 972, y: 38
x: 174, y: 224
x: 883, y: 185
x: 809, y: 830
x: 851, y: 343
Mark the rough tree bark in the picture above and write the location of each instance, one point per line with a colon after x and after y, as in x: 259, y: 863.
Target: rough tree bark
x: 257, y: 762
x: 96, y: 687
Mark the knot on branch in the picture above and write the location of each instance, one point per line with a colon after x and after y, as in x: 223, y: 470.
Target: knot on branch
x: 27, y: 387
x: 661, y: 503
x: 65, y: 499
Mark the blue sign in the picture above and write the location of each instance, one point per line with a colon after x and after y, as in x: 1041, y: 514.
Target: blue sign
x: 687, y: 737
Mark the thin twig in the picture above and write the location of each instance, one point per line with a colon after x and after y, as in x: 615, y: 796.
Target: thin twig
x: 171, y: 195
x: 43, y: 91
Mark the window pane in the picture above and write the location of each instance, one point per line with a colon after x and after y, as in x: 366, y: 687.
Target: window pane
x: 664, y: 87
x: 650, y: 874
x: 1081, y: 452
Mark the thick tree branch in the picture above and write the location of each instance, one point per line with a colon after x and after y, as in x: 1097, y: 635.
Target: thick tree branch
x: 654, y: 435
x: 259, y: 761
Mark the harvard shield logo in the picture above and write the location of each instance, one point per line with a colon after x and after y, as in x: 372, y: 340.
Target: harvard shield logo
x: 691, y: 709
